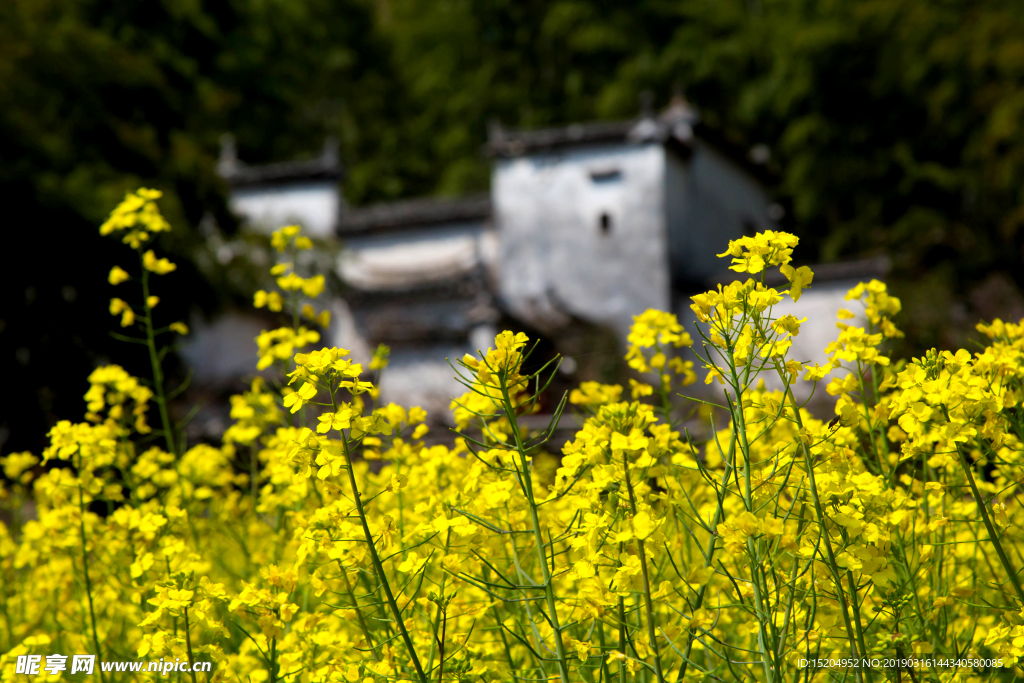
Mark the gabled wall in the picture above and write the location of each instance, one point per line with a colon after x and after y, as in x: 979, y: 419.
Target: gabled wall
x: 582, y: 232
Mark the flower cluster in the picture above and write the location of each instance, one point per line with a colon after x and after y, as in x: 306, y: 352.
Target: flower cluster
x: 110, y: 389
x: 753, y: 254
x: 290, y: 282
x: 138, y: 217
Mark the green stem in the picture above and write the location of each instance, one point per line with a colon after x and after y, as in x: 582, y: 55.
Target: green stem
x: 527, y: 484
x: 820, y: 514
x: 437, y: 615
x: 605, y: 672
x: 871, y: 424
x: 85, y: 565
x: 622, y: 638
x: 709, y: 555
x: 504, y: 640
x: 188, y: 644
x: 359, y: 612
x: 855, y: 603
x: 273, y: 660
x: 753, y: 546
x: 651, y: 628
x: 375, y: 559
x: 440, y: 644
x: 154, y: 361
x: 983, y: 511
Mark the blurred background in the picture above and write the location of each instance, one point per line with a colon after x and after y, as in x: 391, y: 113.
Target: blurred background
x: 467, y: 165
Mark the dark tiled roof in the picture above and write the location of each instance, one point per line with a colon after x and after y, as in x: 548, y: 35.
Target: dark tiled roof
x: 676, y: 127
x: 327, y: 166
x: 288, y: 171
x: 416, y: 213
x: 512, y: 143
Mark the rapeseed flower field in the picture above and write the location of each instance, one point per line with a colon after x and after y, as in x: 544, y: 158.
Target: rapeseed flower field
x: 322, y: 540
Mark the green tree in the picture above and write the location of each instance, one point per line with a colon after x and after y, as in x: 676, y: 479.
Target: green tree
x: 895, y: 128
x: 98, y: 97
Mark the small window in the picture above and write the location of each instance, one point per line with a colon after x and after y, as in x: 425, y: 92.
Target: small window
x: 606, y: 175
x: 605, y: 223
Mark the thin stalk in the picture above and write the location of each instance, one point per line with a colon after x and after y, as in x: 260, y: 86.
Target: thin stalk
x: 504, y: 640
x: 154, y: 361
x: 273, y: 660
x: 85, y: 565
x: 710, y: 554
x: 855, y: 603
x: 440, y: 643
x: 359, y: 612
x: 622, y: 638
x: 651, y: 627
x: 375, y: 559
x: 753, y: 546
x: 605, y: 673
x: 188, y: 644
x: 820, y: 514
x: 871, y: 424
x: 983, y: 511
x: 437, y: 615
x: 527, y: 484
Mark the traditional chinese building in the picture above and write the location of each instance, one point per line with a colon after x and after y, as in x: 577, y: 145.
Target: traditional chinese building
x: 584, y: 227
x: 292, y: 192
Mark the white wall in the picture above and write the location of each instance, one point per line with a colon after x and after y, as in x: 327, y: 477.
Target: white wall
x: 313, y: 205
x: 555, y: 258
x: 412, y: 258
